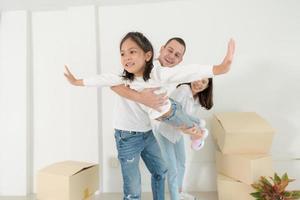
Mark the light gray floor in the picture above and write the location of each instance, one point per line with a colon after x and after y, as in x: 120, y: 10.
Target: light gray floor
x: 118, y: 196
x: 148, y: 196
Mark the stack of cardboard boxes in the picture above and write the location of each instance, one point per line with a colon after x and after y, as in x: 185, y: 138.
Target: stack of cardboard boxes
x: 244, y: 142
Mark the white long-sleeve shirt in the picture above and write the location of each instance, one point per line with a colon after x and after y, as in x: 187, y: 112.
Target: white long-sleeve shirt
x: 132, y: 116
x: 183, y: 94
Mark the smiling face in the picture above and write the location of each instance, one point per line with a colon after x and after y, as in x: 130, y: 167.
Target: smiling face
x: 199, y: 86
x: 171, y: 54
x: 133, y: 58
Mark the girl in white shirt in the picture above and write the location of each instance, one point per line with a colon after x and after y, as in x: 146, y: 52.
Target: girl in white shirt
x: 192, y: 96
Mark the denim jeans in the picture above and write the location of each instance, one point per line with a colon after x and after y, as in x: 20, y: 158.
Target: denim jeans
x: 131, y: 146
x: 174, y: 156
x: 179, y: 117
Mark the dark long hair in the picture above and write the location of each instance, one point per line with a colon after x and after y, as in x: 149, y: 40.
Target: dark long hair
x: 146, y: 46
x: 205, y: 97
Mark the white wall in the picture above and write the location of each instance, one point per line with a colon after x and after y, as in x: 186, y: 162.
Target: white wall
x: 66, y: 119
x: 82, y: 56
x: 263, y: 77
x: 50, y: 92
x: 13, y: 102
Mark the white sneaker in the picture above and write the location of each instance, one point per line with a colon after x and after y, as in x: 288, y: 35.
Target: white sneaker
x: 199, y: 143
x: 186, y: 196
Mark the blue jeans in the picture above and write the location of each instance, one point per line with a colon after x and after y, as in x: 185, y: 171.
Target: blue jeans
x: 174, y: 156
x: 131, y: 146
x: 179, y: 117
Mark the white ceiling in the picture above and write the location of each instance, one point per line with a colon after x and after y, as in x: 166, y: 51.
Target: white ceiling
x: 62, y: 4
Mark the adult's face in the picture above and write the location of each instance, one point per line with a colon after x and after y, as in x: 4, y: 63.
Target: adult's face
x: 171, y: 54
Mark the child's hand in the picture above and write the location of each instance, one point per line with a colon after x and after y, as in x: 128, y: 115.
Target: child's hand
x: 71, y: 78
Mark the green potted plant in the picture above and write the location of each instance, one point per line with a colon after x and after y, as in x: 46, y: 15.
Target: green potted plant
x: 274, y: 190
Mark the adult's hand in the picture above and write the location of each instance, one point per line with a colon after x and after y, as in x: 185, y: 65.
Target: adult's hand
x: 224, y: 67
x: 149, y: 98
x: 194, y: 131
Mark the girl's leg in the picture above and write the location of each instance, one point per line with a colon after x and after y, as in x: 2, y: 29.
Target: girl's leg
x: 155, y: 164
x: 169, y: 155
x: 178, y: 117
x: 129, y: 146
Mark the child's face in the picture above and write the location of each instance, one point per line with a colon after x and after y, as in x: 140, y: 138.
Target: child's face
x: 200, y: 85
x: 133, y: 58
x: 171, y: 54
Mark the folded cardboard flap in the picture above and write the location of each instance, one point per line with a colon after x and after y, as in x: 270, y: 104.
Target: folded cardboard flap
x: 242, y: 133
x: 86, y: 168
x: 243, y: 122
x: 67, y: 168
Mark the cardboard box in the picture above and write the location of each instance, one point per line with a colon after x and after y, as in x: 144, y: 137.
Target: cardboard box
x: 68, y: 180
x: 230, y: 189
x: 243, y: 167
x: 242, y: 132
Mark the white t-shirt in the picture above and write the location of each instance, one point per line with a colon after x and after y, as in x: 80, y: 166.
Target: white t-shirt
x: 132, y: 116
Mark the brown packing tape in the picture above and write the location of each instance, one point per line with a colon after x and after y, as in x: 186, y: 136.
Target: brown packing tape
x: 86, y: 193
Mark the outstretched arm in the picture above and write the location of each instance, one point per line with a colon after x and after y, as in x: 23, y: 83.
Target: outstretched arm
x: 224, y: 67
x: 193, y: 72
x: 100, y: 80
x: 146, y: 97
x: 71, y: 78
